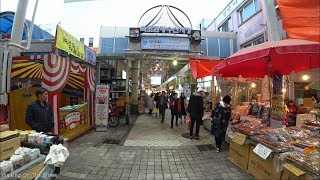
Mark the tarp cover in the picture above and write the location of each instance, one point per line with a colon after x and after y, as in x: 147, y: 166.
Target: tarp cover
x: 300, y: 18
x: 202, y: 67
x: 6, y: 23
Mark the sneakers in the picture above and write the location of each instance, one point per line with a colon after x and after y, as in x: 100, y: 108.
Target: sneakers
x: 190, y: 137
x: 218, y: 149
x: 196, y: 138
x: 171, y: 127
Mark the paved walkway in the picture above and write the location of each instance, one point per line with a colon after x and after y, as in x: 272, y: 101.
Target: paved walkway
x: 149, y: 131
x: 91, y: 158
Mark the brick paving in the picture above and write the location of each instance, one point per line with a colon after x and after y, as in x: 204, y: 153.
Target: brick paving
x: 90, y: 158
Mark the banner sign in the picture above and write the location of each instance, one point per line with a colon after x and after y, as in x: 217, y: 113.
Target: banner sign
x: 102, y: 102
x: 90, y: 55
x: 70, y: 44
x: 163, y: 29
x: 277, y: 105
x: 165, y: 43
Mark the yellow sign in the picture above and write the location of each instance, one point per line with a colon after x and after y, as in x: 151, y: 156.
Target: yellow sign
x: 296, y: 171
x: 239, y: 138
x: 70, y: 44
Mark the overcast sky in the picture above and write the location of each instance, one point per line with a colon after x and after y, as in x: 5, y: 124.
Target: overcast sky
x: 84, y: 19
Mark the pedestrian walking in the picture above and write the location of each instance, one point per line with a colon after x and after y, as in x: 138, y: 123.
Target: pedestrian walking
x: 221, y: 115
x: 195, y: 108
x: 163, y: 105
x: 175, y: 107
x: 39, y: 114
x: 156, y: 99
x: 183, y: 113
x: 151, y: 103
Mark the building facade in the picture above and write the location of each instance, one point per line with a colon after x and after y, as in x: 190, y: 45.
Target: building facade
x: 248, y: 19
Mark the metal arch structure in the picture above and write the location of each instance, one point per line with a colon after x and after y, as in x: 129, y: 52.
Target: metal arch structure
x: 169, y: 13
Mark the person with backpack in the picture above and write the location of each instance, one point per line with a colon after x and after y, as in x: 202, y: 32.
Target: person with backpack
x: 175, y: 106
x: 221, y: 115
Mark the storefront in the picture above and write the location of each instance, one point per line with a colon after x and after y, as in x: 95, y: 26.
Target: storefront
x: 70, y: 84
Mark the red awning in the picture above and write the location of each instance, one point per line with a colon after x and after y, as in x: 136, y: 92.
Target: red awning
x: 300, y: 19
x: 202, y: 67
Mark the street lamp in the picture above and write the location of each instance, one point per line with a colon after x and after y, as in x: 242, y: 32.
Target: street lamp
x: 175, y: 62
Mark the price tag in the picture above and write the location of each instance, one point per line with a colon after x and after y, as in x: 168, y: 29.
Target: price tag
x: 239, y: 138
x: 296, y: 171
x: 262, y: 151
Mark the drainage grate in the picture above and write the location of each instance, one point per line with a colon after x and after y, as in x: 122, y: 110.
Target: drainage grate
x: 186, y: 135
x: 208, y: 147
x: 111, y: 141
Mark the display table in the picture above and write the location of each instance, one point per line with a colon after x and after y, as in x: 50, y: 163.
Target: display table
x: 73, y: 121
x: 28, y: 171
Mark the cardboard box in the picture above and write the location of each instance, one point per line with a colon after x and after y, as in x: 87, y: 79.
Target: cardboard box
x: 293, y: 173
x: 9, y: 142
x: 260, y: 168
x: 239, y: 154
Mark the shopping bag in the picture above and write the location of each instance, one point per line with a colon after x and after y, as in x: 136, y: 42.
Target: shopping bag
x: 188, y: 122
x: 155, y: 110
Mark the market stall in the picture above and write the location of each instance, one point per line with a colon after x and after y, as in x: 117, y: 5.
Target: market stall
x: 70, y: 82
x: 273, y: 152
x: 20, y: 159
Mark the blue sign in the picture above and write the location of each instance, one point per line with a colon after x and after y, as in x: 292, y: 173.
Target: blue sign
x: 165, y: 43
x: 90, y: 55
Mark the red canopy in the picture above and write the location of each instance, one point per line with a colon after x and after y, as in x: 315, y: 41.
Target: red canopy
x: 282, y: 56
x: 300, y: 18
x: 202, y: 67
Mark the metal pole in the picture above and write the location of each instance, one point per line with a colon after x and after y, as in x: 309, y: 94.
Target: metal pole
x: 18, y: 24
x: 127, y: 92
x: 272, y: 23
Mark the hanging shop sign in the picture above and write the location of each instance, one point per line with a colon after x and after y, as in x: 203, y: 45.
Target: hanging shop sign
x: 165, y: 43
x: 70, y: 44
x: 277, y: 105
x: 90, y: 55
x: 163, y: 29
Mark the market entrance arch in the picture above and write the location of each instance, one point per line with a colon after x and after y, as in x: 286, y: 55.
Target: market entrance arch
x: 164, y: 34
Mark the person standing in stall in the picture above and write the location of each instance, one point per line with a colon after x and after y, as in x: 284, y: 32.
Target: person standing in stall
x: 39, y: 114
x: 221, y: 115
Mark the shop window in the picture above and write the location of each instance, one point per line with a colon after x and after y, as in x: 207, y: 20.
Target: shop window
x: 253, y: 42
x: 226, y: 26
x: 249, y: 10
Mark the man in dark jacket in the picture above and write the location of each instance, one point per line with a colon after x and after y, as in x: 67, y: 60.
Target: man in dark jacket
x: 195, y: 108
x: 163, y: 104
x: 39, y: 115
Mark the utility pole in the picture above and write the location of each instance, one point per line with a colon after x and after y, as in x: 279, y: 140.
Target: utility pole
x: 277, y: 99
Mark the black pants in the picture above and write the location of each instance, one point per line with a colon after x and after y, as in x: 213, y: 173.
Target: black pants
x: 193, y: 121
x: 220, y: 135
x: 162, y: 112
x: 172, y: 117
x: 150, y: 111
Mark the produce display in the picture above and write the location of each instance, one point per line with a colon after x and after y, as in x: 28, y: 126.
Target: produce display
x: 275, y: 146
x: 297, y: 145
x: 21, y: 157
x: 309, y: 163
